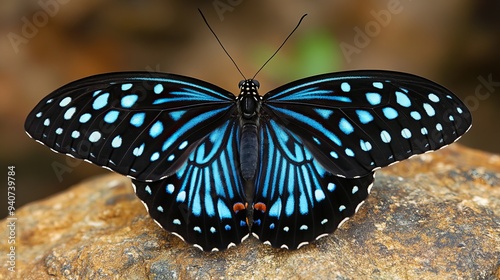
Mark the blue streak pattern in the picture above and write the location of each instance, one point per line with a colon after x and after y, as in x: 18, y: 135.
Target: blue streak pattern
x: 199, y: 204
x: 300, y: 206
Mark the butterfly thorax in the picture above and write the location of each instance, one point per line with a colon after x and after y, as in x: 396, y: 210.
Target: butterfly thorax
x: 249, y: 103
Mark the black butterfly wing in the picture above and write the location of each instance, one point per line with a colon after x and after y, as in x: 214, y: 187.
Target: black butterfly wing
x: 202, y: 202
x: 358, y: 121
x: 139, y: 124
x: 150, y: 126
x: 297, y: 200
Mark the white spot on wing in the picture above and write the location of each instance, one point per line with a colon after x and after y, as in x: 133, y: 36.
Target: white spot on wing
x: 126, y: 86
x: 65, y: 101
x: 433, y: 97
x: 117, y: 141
x: 85, y: 118
x: 158, y: 88
x: 378, y: 85
x: 355, y: 189
x: 406, y: 133
x: 95, y: 136
x: 385, y: 136
x: 345, y: 87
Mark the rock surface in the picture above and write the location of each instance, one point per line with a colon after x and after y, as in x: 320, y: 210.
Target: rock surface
x: 435, y: 216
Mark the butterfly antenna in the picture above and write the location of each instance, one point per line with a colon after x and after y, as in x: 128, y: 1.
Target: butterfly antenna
x: 286, y: 39
x: 220, y: 43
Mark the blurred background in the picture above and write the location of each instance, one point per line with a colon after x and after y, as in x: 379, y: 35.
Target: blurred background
x: 45, y: 44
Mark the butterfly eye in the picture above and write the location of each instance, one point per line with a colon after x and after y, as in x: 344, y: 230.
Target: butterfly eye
x: 256, y: 83
x: 241, y: 83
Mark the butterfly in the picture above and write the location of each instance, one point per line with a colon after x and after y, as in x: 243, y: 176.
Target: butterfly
x: 211, y: 167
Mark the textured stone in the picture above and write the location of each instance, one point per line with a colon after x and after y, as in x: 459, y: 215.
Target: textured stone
x: 432, y: 217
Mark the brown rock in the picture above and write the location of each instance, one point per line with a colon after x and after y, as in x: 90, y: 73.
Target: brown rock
x: 432, y: 217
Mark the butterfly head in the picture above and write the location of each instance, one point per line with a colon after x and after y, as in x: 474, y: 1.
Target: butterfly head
x: 249, y: 87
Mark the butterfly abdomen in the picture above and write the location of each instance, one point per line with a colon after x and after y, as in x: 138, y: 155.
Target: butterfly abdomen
x: 248, y: 151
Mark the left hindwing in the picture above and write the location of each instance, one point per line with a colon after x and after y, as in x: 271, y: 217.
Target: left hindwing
x: 203, y: 201
x: 138, y: 124
x: 355, y: 122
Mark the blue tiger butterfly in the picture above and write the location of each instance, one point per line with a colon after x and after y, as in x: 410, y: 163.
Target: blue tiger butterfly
x: 289, y: 167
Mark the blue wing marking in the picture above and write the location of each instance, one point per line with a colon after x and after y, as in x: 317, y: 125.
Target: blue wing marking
x: 317, y: 94
x: 188, y: 93
x: 311, y: 122
x: 198, y: 201
x: 187, y: 127
x: 305, y: 88
x: 294, y: 199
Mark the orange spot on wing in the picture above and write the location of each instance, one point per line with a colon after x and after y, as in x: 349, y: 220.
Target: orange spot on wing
x: 260, y: 206
x: 238, y: 207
